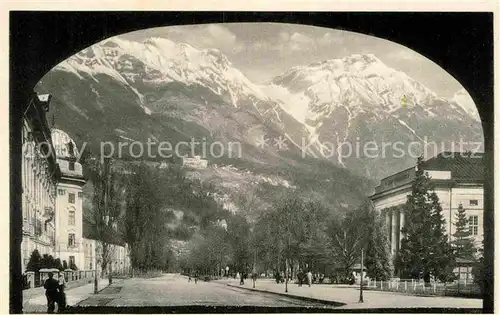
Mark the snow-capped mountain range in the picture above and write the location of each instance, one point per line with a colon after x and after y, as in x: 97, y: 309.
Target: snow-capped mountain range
x: 160, y: 61
x: 463, y: 99
x: 322, y: 105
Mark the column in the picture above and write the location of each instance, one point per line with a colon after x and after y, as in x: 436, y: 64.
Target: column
x: 401, y: 224
x: 395, y: 233
x: 388, y: 224
x: 31, y: 278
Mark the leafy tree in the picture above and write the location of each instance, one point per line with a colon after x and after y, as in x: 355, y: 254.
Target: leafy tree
x: 239, y: 238
x: 48, y: 261
x: 378, y: 256
x: 290, y: 228
x: 57, y: 264
x: 463, y: 243
x: 35, y: 263
x: 108, y: 194
x: 149, y: 193
x: 348, y: 235
x: 73, y: 266
x: 313, y: 249
x: 425, y: 250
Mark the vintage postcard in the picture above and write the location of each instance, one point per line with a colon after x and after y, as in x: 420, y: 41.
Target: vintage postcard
x: 221, y: 161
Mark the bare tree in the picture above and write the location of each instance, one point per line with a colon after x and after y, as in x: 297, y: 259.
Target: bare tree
x: 347, y: 236
x: 107, y: 201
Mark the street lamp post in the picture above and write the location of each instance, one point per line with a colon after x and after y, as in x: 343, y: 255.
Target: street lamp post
x: 254, y: 271
x: 95, y: 278
x: 286, y: 274
x: 361, y: 280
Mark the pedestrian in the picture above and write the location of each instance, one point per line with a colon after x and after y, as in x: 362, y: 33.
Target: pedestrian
x: 62, y: 295
x: 51, y: 287
x: 300, y: 277
x: 309, y: 278
x: 242, y: 278
x: 189, y: 280
x: 254, y: 277
x: 196, y: 277
x: 277, y: 277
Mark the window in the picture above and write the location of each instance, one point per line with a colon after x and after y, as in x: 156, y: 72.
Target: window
x: 71, y: 217
x: 474, y: 202
x: 80, y: 194
x: 71, y: 240
x: 71, y: 260
x: 71, y: 198
x: 71, y: 166
x: 473, y: 224
x: 61, y: 191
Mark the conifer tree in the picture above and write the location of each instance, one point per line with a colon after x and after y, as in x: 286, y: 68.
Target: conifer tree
x: 463, y: 244
x: 35, y: 262
x: 377, y: 259
x: 424, y: 247
x: 58, y: 264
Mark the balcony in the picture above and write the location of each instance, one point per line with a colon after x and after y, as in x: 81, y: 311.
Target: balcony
x: 28, y: 229
x: 74, y: 247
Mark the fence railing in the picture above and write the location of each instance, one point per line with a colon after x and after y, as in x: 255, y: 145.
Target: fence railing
x: 36, y: 279
x: 456, y: 288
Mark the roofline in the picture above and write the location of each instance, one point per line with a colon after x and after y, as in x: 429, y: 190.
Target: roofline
x: 112, y: 243
x: 438, y: 182
x: 80, y: 181
x: 460, y: 153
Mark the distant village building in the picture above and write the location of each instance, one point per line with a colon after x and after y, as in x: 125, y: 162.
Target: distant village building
x: 163, y: 165
x: 458, y: 179
x: 52, y: 195
x: 197, y: 162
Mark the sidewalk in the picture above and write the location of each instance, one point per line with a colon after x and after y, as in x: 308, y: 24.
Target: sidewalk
x: 38, y: 303
x: 349, y: 296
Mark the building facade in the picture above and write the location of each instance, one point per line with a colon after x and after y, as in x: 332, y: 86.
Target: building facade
x: 52, y: 195
x: 39, y: 179
x: 196, y: 163
x: 458, y: 179
x: 69, y: 205
x: 119, y: 260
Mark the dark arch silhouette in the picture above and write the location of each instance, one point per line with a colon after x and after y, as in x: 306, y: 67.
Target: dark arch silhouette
x: 461, y: 43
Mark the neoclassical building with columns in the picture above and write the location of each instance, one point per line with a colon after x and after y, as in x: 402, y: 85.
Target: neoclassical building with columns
x: 458, y: 180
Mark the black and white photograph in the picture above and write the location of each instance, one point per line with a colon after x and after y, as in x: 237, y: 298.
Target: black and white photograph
x: 251, y: 162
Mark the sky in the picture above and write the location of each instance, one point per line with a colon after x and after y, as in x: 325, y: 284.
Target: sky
x: 264, y: 50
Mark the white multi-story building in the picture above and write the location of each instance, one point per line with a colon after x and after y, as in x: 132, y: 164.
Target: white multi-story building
x: 52, y: 203
x: 196, y: 163
x: 39, y: 178
x: 69, y: 204
x: 458, y: 179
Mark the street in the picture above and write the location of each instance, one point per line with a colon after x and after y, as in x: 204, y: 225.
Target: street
x: 175, y: 290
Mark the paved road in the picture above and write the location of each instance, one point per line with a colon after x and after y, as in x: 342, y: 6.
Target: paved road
x: 37, y: 303
x: 349, y: 295
x: 174, y: 290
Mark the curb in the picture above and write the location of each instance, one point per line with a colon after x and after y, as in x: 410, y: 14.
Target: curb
x: 303, y: 298
x: 91, y: 295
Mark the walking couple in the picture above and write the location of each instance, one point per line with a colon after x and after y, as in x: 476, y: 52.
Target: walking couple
x: 54, y: 291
